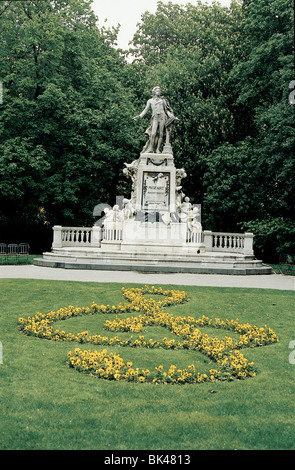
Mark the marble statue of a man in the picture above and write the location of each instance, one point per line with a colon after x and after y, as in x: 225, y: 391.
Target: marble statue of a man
x: 161, y: 121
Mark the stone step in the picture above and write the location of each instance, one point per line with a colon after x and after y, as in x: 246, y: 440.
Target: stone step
x: 206, y: 263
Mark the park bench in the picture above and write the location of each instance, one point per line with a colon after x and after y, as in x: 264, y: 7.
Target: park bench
x: 24, y: 250
x: 287, y: 264
x: 14, y: 250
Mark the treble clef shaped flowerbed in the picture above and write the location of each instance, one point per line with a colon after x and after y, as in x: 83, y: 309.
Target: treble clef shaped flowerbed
x: 227, y: 362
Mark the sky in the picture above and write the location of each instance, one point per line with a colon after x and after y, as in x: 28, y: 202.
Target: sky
x: 128, y: 13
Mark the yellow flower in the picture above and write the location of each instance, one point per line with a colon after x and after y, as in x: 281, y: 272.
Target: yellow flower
x: 224, y: 352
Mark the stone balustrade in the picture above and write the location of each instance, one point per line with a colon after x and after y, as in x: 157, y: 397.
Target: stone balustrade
x: 229, y: 242
x: 93, y: 236
x: 194, y: 238
x: 112, y: 232
x: 71, y: 236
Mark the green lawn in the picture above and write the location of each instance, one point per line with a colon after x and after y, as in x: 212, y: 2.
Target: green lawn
x: 17, y: 260
x: 44, y: 404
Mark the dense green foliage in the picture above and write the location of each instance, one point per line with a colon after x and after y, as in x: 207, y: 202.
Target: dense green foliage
x: 65, y: 116
x: 69, y: 96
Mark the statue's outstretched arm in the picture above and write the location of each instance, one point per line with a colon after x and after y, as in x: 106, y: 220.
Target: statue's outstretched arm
x: 141, y: 115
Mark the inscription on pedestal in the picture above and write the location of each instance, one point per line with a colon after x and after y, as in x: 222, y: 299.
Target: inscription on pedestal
x: 155, y: 190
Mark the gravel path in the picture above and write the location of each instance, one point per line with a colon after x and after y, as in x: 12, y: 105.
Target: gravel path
x: 271, y: 281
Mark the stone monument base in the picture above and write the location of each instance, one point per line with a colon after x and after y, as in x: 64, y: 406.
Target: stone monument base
x: 156, y: 230
x: 146, y: 261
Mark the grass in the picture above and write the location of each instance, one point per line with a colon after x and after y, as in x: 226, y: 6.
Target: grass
x: 13, y: 260
x: 281, y: 269
x: 46, y: 405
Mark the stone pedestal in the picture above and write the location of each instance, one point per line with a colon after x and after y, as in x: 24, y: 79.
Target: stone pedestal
x: 154, y: 237
x: 155, y: 184
x: 159, y: 222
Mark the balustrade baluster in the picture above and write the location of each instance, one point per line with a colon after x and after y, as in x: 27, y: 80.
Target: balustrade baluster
x: 214, y: 244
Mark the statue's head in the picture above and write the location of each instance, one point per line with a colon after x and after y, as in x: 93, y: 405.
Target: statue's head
x: 156, y: 91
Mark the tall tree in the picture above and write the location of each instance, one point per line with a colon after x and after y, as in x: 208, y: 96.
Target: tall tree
x: 260, y: 85
x: 65, y: 118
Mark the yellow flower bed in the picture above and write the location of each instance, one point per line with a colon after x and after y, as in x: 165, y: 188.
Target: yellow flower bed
x: 225, y: 353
